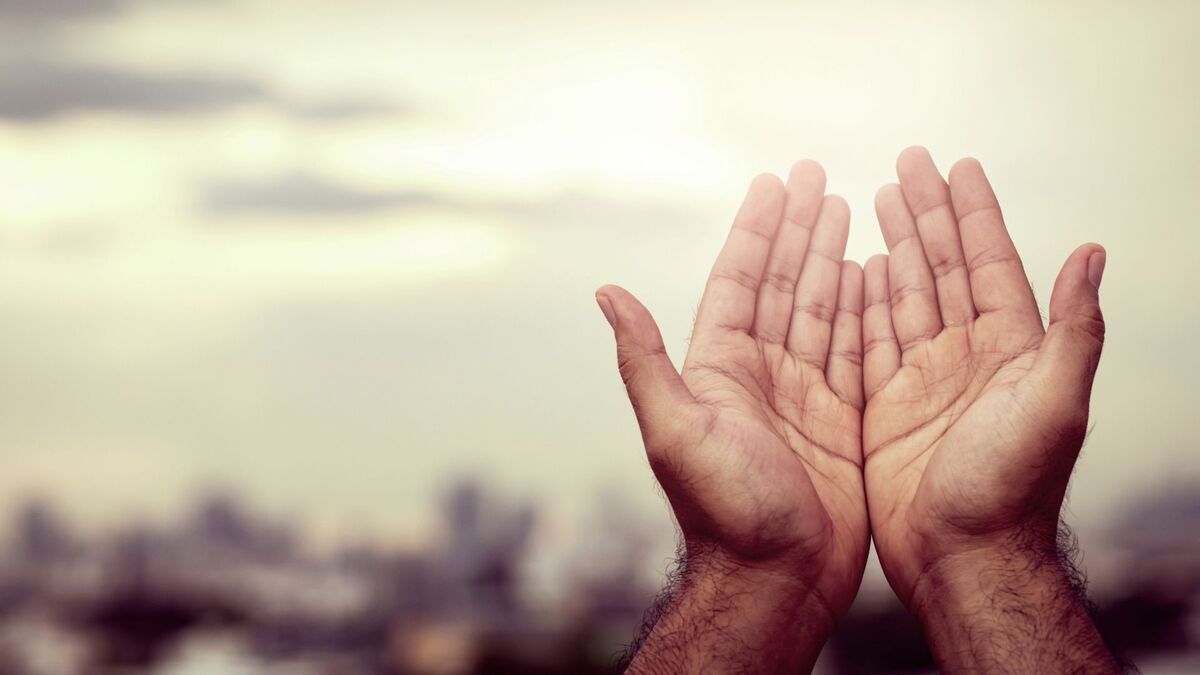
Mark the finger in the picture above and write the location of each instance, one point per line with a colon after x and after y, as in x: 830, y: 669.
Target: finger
x: 817, y: 288
x: 844, y: 372
x: 998, y: 281
x: 662, y: 402
x: 1071, y: 349
x: 732, y: 289
x: 805, y: 188
x: 915, y: 315
x: 928, y: 199
x: 881, y: 351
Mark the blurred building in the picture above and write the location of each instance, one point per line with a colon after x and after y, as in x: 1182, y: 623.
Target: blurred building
x: 230, y: 591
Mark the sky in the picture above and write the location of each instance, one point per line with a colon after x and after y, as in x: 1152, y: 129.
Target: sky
x: 335, y: 253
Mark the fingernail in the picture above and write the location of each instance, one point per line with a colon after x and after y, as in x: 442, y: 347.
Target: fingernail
x: 607, y: 308
x: 1096, y: 268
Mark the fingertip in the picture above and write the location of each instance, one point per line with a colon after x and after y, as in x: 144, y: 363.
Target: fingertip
x: 875, y: 273
x: 609, y: 297
x: 766, y: 182
x: 965, y: 166
x: 837, y: 207
x: 606, y: 308
x: 875, y: 262
x: 1083, y: 255
x: 1074, y: 351
x: 892, y: 213
x: 805, y: 190
x: 628, y: 316
x: 615, y: 296
x: 807, y: 170
x: 1096, y: 268
x: 912, y: 156
x: 764, y: 198
x: 607, y: 291
x: 1096, y: 257
x: 850, y: 287
x: 875, y: 279
x: 887, y: 194
x: 1079, y: 279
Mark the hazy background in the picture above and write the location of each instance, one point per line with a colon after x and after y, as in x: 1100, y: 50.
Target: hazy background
x: 333, y: 254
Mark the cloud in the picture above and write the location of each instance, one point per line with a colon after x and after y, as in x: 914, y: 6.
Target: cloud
x: 45, y: 11
x: 304, y: 194
x: 342, y: 109
x: 34, y: 91
x: 300, y: 193
x: 57, y: 9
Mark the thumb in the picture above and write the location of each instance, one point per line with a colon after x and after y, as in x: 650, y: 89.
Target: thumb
x: 661, y: 401
x: 1071, y: 350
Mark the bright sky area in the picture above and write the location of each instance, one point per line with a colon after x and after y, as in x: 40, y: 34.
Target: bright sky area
x: 333, y: 253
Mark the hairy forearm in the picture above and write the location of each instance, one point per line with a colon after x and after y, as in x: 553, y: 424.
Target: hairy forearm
x: 1009, y: 609
x: 727, y: 617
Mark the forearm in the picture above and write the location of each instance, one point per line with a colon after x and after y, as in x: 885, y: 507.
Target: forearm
x: 726, y: 617
x: 1008, y: 609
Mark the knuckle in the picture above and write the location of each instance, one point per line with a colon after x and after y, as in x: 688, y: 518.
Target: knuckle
x: 849, y: 356
x: 990, y: 257
x: 737, y: 276
x: 669, y: 436
x: 626, y: 365
x: 922, y: 203
x: 1088, y: 320
x: 878, y: 342
x: 902, y: 292
x: 630, y: 360
x: 945, y: 264
x: 818, y: 309
x: 779, y: 280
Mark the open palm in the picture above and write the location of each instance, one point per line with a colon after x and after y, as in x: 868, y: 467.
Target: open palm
x: 758, y: 443
x: 975, y: 412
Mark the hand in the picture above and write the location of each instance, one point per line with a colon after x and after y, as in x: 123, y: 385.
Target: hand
x: 757, y: 444
x: 975, y: 415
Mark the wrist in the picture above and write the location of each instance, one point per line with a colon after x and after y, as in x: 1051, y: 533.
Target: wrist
x: 711, y: 570
x: 967, y: 580
x: 732, y: 615
x: 1008, y: 607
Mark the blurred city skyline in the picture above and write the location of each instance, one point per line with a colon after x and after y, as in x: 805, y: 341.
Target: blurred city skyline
x: 334, y: 253
x: 227, y: 589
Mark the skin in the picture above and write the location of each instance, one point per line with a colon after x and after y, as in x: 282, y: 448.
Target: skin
x: 756, y: 442
x: 975, y: 415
